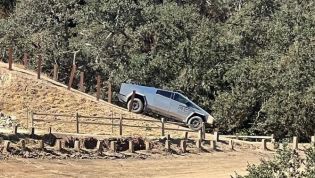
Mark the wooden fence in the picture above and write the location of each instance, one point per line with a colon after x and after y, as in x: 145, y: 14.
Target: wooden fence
x: 55, y: 72
x: 89, y: 120
x: 80, y: 119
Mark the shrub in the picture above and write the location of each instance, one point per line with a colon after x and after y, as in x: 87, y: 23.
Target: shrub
x: 286, y: 163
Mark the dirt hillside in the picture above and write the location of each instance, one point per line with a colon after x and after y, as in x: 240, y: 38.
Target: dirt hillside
x: 21, y: 92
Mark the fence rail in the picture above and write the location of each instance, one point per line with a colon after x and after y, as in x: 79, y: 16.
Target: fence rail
x: 248, y: 137
x: 81, y: 119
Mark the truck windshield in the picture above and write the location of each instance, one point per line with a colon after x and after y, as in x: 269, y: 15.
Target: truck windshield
x: 185, y: 101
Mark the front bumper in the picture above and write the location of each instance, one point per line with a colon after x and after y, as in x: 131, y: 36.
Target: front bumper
x: 210, y: 120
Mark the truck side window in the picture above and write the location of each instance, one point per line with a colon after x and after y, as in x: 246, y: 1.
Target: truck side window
x: 164, y: 93
x: 180, y: 99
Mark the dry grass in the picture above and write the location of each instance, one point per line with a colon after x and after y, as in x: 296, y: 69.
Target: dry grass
x: 21, y: 92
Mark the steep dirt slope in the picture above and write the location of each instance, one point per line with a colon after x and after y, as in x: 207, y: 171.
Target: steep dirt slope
x: 21, y: 91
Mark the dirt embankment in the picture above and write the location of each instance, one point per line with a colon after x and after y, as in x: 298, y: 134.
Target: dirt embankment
x: 22, y: 92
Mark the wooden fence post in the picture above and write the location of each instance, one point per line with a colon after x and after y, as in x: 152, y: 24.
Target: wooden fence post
x: 131, y: 146
x: 295, y: 143
x: 41, y: 145
x: 32, y: 132
x: 99, y: 145
x: 163, y: 127
x: 202, y: 132
x: 183, y: 145
x: 216, y: 136
x: 25, y: 60
x: 312, y: 141
x: 73, y: 70
x: 263, y: 145
x: 112, y: 119
x: 120, y: 125
x: 82, y: 82
x: 56, y: 68
x: 147, y: 145
x: 109, y: 92
x: 23, y: 144
x: 77, y: 145
x: 185, y: 135
x: 27, y: 118
x: 10, y: 58
x: 131, y: 100
x: 200, y: 135
x: 77, y: 122
x: 231, y: 144
x: 39, y: 66
x: 272, y: 136
x: 15, y: 129
x: 213, y: 144
x: 58, y: 146
x: 98, y: 87
x: 32, y: 119
x: 6, y: 148
x: 113, y: 146
x: 198, y: 144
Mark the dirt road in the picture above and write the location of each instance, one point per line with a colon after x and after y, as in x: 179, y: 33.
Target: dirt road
x: 214, y: 165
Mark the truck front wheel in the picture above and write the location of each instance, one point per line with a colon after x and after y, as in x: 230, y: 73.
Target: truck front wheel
x: 135, y: 107
x: 195, y: 123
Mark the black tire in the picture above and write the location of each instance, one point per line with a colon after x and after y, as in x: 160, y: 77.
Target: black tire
x: 195, y: 123
x: 137, y: 106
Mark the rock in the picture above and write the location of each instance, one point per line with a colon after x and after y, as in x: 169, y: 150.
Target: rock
x: 7, y: 121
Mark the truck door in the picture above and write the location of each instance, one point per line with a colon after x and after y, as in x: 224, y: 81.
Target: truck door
x: 162, y: 102
x: 179, y: 109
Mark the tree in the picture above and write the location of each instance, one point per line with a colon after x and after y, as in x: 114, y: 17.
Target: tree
x: 6, y: 7
x: 250, y: 63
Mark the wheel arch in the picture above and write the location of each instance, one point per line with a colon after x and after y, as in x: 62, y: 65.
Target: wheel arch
x: 195, y: 114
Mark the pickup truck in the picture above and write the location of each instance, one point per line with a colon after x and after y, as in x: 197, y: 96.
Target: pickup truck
x: 169, y: 104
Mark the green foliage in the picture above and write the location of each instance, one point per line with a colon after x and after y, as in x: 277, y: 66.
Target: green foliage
x: 286, y: 163
x: 250, y: 63
x: 6, y: 6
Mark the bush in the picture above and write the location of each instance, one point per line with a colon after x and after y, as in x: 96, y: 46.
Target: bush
x: 286, y: 163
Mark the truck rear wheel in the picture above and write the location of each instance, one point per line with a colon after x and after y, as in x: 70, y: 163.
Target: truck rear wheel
x: 136, y: 107
x: 195, y: 123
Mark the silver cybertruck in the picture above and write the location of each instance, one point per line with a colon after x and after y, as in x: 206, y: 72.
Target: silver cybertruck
x: 172, y: 105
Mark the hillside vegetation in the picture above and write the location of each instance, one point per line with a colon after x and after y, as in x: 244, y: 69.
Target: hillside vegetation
x: 250, y: 63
